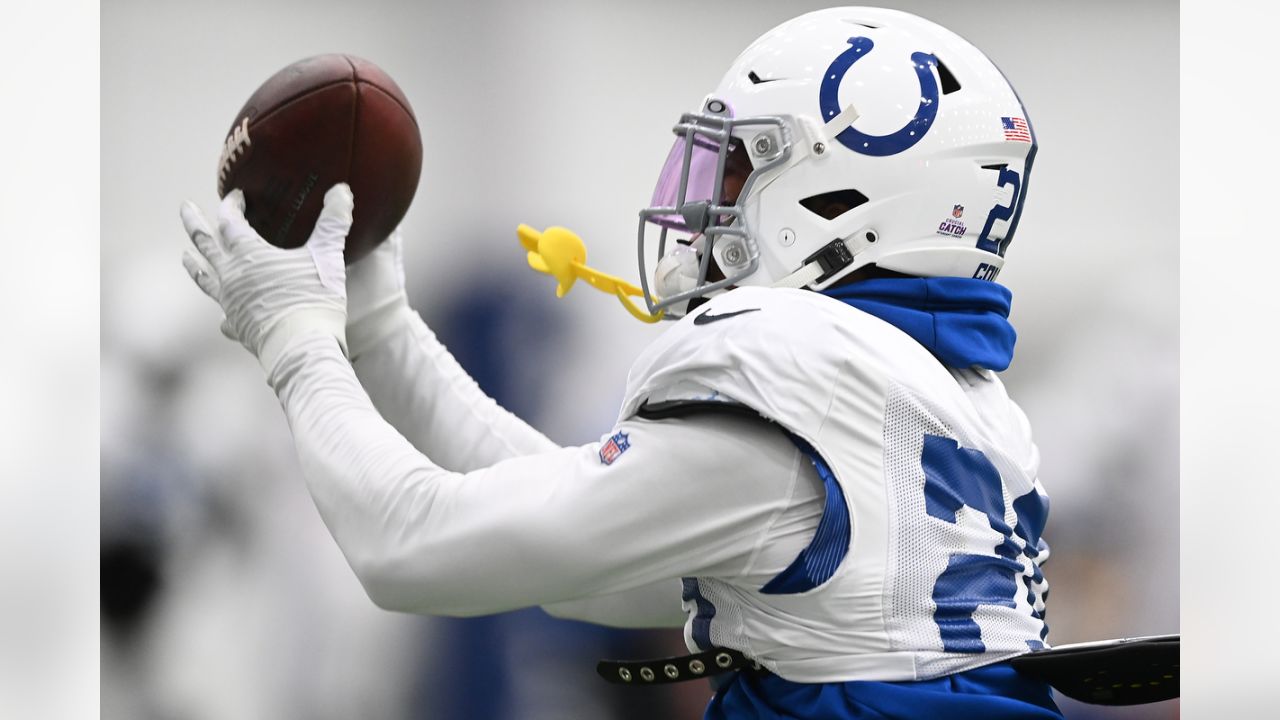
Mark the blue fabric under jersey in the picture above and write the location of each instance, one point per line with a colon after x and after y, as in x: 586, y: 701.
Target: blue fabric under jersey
x: 993, y: 692
x: 962, y: 321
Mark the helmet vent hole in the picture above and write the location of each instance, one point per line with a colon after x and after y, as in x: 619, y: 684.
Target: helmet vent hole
x: 859, y: 23
x: 831, y: 205
x: 757, y: 80
x: 949, y: 82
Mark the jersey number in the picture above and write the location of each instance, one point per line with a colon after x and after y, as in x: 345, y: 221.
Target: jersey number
x: 957, y: 477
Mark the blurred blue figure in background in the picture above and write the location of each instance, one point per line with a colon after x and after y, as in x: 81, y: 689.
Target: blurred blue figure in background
x: 525, y: 664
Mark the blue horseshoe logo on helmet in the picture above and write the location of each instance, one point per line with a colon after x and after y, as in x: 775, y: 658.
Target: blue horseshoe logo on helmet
x: 895, y: 142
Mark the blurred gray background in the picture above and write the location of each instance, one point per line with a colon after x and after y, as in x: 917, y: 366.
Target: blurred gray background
x: 224, y: 596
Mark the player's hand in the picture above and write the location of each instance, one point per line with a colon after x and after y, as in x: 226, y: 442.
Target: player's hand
x: 272, y: 296
x: 375, y: 295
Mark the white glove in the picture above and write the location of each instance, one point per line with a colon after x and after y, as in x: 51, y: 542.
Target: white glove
x: 376, y: 301
x: 272, y: 296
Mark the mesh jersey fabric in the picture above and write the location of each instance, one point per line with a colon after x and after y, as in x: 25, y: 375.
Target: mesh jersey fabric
x: 942, y: 570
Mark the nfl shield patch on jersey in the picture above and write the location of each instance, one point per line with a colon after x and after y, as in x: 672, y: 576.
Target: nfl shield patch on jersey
x: 613, y: 448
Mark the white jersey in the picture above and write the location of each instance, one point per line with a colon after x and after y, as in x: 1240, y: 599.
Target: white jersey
x: 902, y: 553
x: 444, y: 503
x: 926, y: 559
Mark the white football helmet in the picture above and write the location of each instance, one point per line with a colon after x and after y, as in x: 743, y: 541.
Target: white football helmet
x: 865, y: 136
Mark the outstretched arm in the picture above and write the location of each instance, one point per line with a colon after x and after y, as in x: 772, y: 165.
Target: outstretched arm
x: 537, y: 529
x: 413, y: 380
x: 664, y: 502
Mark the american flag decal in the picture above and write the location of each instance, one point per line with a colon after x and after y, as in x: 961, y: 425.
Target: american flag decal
x: 1015, y: 129
x: 614, y: 447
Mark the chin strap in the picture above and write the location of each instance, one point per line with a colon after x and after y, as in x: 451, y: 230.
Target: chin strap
x: 829, y: 260
x: 800, y: 278
x: 561, y: 254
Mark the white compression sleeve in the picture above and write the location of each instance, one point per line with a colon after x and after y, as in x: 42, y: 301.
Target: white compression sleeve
x: 656, y: 605
x: 689, y: 497
x: 425, y: 394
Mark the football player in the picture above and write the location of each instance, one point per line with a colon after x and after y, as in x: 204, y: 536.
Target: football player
x: 817, y: 462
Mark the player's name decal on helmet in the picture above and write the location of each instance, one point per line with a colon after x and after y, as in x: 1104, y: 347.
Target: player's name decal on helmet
x: 613, y: 448
x: 986, y: 271
x: 899, y: 140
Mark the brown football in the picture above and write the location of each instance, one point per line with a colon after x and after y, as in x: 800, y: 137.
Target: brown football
x: 318, y: 122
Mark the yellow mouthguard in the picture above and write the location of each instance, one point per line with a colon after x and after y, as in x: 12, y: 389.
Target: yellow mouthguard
x: 561, y: 254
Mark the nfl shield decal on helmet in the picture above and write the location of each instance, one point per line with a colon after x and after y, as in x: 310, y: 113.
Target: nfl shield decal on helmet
x: 613, y: 448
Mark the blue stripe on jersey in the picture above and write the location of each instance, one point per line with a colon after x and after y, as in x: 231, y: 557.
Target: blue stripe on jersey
x: 701, y: 629
x: 994, y: 692
x: 818, y: 562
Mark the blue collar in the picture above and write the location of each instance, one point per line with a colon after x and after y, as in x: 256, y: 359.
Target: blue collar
x: 963, y: 321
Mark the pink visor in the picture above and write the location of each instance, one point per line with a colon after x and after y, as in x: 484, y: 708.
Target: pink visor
x: 702, y: 178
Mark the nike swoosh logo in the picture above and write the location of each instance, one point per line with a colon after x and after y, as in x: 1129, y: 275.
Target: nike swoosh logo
x: 707, y: 317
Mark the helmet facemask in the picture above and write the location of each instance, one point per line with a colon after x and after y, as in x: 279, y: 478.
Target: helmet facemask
x: 696, y: 221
